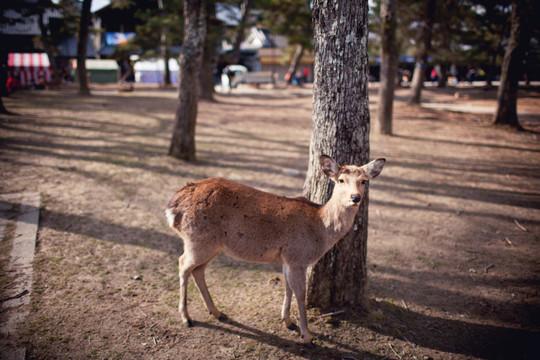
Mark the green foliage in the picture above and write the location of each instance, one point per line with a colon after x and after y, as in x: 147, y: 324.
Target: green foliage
x: 53, y: 29
x: 464, y: 31
x: 291, y: 18
x: 161, y: 27
x: 486, y: 29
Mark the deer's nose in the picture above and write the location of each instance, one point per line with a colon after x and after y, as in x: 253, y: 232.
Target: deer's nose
x: 356, y: 198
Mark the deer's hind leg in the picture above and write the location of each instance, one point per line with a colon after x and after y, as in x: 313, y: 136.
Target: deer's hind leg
x: 286, y: 309
x: 198, y: 275
x: 184, y: 270
x: 194, y: 262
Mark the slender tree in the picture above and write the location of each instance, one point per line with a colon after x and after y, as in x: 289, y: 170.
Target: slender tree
x: 163, y: 25
x: 241, y: 28
x: 295, y: 61
x: 81, y: 48
x: 291, y: 18
x: 207, y: 77
x: 340, y: 130
x: 164, y: 49
x: 3, y: 75
x: 424, y: 45
x: 506, y: 112
x: 52, y: 29
x: 183, y: 139
x: 389, y: 62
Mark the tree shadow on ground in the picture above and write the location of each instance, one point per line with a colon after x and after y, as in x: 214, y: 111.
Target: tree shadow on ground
x: 453, y: 336
x: 99, y: 229
x: 501, y: 197
x: 477, y: 305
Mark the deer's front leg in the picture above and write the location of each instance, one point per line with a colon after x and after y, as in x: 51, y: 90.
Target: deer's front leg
x: 296, y: 278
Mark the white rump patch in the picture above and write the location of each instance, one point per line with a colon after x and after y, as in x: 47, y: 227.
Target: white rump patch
x: 170, y: 216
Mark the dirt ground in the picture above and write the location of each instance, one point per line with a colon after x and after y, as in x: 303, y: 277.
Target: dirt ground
x: 454, y: 228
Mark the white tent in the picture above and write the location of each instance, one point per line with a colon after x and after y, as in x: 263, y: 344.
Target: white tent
x: 152, y: 71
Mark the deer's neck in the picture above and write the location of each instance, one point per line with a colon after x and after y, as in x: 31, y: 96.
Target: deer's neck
x: 337, y: 219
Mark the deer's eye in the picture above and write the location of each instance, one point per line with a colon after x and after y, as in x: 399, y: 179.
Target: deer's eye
x: 341, y: 181
x: 364, y: 182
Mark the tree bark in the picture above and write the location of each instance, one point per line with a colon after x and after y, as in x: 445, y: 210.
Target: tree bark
x: 340, y: 130
x: 389, y: 61
x: 81, y: 48
x: 506, y: 112
x: 183, y: 139
x: 424, y: 45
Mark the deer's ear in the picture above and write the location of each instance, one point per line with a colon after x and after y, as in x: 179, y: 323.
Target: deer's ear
x: 329, y: 166
x: 374, y: 168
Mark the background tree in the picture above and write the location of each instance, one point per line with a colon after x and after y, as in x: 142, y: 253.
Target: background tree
x: 241, y: 29
x: 506, y: 112
x: 340, y: 130
x: 206, y: 88
x: 293, y: 19
x: 183, y: 139
x: 424, y: 45
x: 161, y: 28
x: 485, y: 30
x: 81, y: 48
x: 389, y: 62
x: 41, y: 8
x: 3, y: 80
x: 53, y: 28
x: 3, y: 63
x: 446, y: 37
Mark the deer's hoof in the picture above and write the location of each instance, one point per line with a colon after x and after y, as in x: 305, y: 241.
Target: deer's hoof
x: 189, y: 323
x: 223, y: 317
x: 309, y: 345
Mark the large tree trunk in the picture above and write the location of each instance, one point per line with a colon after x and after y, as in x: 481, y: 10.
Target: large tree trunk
x: 183, y: 139
x: 389, y: 61
x: 506, y: 112
x: 81, y: 48
x: 424, y: 46
x: 340, y: 130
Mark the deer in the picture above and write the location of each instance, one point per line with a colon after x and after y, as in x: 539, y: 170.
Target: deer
x: 215, y: 215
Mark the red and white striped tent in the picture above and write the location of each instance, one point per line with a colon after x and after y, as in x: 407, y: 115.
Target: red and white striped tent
x: 29, y: 68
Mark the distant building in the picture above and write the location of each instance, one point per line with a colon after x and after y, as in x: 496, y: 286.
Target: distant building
x: 22, y: 55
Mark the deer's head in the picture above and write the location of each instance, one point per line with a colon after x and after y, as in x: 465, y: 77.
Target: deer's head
x: 350, y: 180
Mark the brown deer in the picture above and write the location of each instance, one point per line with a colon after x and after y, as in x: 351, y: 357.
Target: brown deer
x: 215, y: 214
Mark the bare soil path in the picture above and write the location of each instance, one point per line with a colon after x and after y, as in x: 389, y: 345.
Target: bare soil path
x: 454, y: 239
